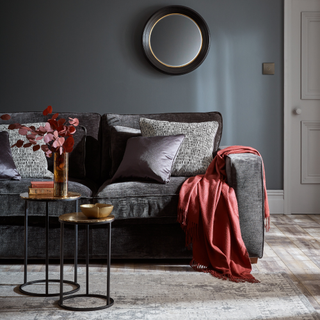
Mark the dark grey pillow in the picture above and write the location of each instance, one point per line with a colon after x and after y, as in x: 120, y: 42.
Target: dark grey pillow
x: 119, y: 138
x: 149, y: 158
x: 8, y: 170
x: 77, y: 160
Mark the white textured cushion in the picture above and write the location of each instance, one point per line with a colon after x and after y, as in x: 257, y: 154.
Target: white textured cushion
x: 29, y: 163
x: 195, y: 153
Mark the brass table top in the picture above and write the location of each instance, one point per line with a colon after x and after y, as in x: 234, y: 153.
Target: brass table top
x: 79, y: 217
x: 41, y: 197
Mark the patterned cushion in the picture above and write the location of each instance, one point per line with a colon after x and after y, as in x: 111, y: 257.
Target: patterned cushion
x: 29, y: 163
x: 196, y: 150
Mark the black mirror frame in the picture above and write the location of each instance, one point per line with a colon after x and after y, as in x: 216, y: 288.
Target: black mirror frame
x: 195, y: 63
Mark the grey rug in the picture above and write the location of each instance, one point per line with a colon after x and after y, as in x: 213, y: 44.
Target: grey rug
x: 161, y: 295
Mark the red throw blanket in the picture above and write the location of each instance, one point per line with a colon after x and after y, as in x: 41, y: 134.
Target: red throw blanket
x: 208, y: 213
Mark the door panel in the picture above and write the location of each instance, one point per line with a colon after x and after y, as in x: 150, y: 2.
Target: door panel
x: 302, y: 106
x: 310, y: 36
x: 310, y: 158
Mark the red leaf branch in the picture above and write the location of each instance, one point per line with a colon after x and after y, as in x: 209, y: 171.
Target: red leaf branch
x: 5, y: 117
x: 57, y: 134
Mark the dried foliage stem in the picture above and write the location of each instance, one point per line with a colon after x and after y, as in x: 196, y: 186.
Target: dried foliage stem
x: 57, y: 135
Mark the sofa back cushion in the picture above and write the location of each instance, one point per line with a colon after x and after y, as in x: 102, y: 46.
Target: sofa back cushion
x: 8, y: 170
x: 109, y: 120
x: 119, y: 137
x: 84, y: 161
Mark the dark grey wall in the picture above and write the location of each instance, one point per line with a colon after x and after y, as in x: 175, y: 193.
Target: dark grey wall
x: 83, y: 56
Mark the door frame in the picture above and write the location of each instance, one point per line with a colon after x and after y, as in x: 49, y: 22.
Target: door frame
x: 287, y: 108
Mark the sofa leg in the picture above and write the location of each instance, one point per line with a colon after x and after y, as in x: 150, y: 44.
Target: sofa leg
x: 253, y: 260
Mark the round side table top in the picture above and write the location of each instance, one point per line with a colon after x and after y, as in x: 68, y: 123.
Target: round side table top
x: 79, y: 217
x: 70, y: 196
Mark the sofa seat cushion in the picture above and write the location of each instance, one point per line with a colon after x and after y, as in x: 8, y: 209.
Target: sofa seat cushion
x: 134, y: 199
x: 16, y: 187
x: 11, y: 204
x: 86, y: 187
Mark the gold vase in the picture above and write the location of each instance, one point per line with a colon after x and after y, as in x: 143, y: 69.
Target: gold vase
x: 61, y: 169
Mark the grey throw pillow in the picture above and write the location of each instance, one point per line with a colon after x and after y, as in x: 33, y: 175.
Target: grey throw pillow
x: 149, y: 158
x: 196, y: 151
x: 8, y: 170
x: 29, y: 163
x: 119, y: 138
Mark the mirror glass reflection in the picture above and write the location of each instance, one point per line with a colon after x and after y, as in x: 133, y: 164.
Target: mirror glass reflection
x: 175, y: 40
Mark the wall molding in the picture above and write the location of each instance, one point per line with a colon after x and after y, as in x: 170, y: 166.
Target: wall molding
x: 309, y: 88
x: 276, y: 201
x: 310, y: 131
x: 287, y: 106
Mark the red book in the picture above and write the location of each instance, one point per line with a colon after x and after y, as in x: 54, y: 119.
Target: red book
x: 42, y: 184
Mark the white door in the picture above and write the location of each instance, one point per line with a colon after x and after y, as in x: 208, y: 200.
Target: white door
x: 302, y: 106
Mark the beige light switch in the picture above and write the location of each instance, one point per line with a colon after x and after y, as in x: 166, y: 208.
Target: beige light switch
x: 268, y: 68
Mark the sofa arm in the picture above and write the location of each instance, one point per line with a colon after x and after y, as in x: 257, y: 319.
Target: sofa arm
x: 245, y: 176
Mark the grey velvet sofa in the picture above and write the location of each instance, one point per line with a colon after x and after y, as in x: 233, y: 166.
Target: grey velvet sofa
x: 145, y: 226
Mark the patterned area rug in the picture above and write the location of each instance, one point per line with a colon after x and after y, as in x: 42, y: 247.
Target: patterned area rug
x: 162, y: 295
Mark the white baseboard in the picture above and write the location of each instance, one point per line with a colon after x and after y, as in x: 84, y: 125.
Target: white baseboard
x: 276, y: 201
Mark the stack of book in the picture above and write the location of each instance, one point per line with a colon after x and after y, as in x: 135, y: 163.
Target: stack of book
x: 41, y: 187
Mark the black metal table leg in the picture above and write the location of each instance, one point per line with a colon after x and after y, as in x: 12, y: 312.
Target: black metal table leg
x: 109, y: 263
x: 70, y: 219
x: 87, y: 259
x: 76, y: 247
x: 47, y: 247
x: 46, y: 281
x: 76, y: 254
x: 25, y: 240
x: 61, y: 259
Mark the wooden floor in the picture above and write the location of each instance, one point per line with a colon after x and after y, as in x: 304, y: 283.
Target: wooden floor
x: 292, y: 246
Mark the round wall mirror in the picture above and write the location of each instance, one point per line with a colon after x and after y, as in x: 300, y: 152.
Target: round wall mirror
x: 176, y: 40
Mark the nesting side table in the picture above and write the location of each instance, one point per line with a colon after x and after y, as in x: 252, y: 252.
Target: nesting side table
x: 72, y: 196
x: 78, y: 218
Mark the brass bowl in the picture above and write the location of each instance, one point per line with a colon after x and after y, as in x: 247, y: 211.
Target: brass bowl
x: 96, y: 211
